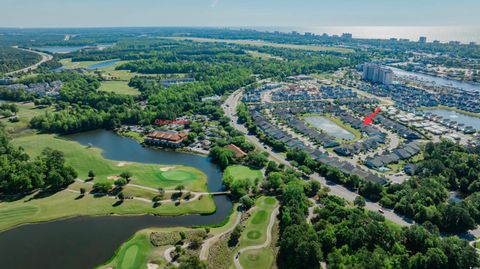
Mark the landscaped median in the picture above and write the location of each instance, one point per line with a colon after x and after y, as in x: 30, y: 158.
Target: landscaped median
x: 143, y: 187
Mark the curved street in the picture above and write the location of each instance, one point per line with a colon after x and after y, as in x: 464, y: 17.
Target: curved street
x: 209, y: 242
x: 45, y: 58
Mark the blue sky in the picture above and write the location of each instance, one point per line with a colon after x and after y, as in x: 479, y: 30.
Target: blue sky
x: 285, y: 13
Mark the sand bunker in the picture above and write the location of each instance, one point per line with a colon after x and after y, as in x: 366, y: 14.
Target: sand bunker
x: 120, y: 164
x: 152, y: 266
x: 113, y: 177
x: 167, y: 168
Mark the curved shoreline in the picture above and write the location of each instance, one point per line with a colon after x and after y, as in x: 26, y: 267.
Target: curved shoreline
x: 73, y: 239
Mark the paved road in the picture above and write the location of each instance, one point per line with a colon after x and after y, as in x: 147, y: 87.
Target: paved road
x: 45, y: 58
x: 209, y: 242
x: 230, y: 108
x: 265, y: 244
x: 168, y: 257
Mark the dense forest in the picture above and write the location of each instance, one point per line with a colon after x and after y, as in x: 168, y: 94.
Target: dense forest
x: 216, y: 69
x: 12, y: 59
x: 19, y: 174
x: 351, y: 237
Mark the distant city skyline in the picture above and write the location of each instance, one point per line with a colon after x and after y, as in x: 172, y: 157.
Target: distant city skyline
x: 246, y: 13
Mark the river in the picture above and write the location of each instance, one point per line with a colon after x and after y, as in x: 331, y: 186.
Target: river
x: 85, y: 242
x: 437, y: 81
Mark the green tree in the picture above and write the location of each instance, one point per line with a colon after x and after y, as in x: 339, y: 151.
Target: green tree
x: 247, y: 202
x: 359, y: 201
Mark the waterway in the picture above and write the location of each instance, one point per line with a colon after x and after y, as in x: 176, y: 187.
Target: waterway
x: 436, y: 81
x: 85, y: 242
x: 456, y: 116
x: 329, y: 127
x: 60, y: 49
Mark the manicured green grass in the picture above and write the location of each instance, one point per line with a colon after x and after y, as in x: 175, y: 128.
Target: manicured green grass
x: 66, y: 204
x: 241, y: 172
x: 118, y: 87
x: 133, y: 254
x: 267, y: 44
x: 255, y: 233
x: 258, y: 259
x: 83, y: 159
x: 256, y: 226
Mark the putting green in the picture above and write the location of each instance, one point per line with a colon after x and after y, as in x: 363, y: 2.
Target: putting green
x: 260, y: 217
x: 258, y: 259
x: 269, y: 201
x: 130, y: 256
x: 177, y: 175
x: 254, y: 235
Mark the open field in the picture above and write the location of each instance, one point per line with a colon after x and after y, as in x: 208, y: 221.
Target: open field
x: 240, y: 172
x: 119, y: 87
x: 83, y: 159
x: 265, y: 44
x: 263, y: 56
x: 26, y: 112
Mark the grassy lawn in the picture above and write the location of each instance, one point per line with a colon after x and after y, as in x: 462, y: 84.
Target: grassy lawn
x: 83, y: 159
x: 119, y: 87
x: 263, y: 56
x: 255, y: 233
x: 258, y: 258
x: 241, y: 172
x: 264, y: 43
x: 26, y: 112
x: 135, y: 253
x: 66, y: 204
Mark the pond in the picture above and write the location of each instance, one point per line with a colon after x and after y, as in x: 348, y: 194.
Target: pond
x: 102, y: 64
x: 434, y: 80
x: 85, y: 242
x: 456, y: 116
x: 329, y: 127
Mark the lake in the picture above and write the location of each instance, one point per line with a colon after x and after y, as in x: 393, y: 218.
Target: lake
x: 456, y: 116
x: 438, y: 81
x: 329, y: 127
x: 85, y: 242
